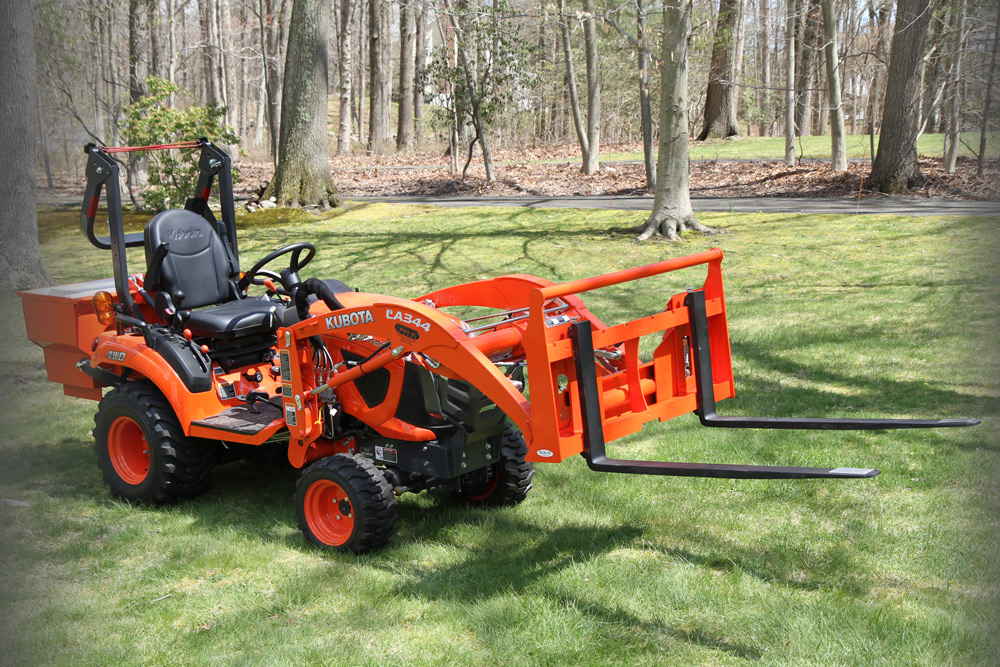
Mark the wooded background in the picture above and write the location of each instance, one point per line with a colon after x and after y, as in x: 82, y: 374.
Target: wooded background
x: 545, y: 73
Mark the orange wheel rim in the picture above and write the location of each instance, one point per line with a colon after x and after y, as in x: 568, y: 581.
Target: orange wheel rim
x: 329, y: 513
x: 128, y: 450
x: 491, y: 486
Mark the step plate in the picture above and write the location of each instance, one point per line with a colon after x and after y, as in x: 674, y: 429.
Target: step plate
x: 241, y: 420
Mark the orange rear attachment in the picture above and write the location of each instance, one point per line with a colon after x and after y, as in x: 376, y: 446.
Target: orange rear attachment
x: 631, y: 392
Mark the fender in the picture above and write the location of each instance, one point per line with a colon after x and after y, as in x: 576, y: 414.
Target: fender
x: 116, y: 352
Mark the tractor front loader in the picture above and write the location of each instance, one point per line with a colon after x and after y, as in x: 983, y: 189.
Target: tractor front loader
x: 371, y: 396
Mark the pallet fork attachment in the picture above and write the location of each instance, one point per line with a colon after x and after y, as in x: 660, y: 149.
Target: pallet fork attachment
x: 593, y: 433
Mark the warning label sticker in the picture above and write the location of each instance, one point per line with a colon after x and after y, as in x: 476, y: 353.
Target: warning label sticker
x: 385, y: 454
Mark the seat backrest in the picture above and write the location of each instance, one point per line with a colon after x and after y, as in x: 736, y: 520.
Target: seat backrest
x: 196, y: 261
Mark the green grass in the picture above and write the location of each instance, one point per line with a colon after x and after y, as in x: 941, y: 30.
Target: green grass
x: 773, y: 148
x: 841, y: 316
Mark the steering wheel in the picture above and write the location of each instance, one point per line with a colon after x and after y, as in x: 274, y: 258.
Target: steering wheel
x: 289, y: 277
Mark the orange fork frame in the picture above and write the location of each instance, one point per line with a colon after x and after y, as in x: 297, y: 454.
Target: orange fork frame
x: 661, y: 388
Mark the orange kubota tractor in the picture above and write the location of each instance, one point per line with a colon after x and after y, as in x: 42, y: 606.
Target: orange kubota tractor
x: 371, y: 395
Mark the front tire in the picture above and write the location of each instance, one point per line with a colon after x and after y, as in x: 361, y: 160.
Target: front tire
x: 142, y: 451
x: 345, y: 503
x: 508, y: 481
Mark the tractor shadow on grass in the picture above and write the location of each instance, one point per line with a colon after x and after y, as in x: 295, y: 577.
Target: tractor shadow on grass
x: 517, y: 559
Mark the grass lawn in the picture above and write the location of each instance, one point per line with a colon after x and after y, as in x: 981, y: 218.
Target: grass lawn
x: 861, y: 316
x: 773, y: 148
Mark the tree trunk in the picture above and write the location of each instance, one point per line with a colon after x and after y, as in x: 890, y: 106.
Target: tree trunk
x: 809, y: 30
x: 645, y: 110
x: 136, y: 90
x: 722, y: 96
x: 955, y: 98
x: 407, y: 56
x: 360, y: 88
x: 672, y: 211
x: 590, y: 164
x: 991, y: 77
x: 574, y: 98
x: 378, y: 124
x: 790, y: 82
x: 838, y: 147
x: 419, y: 64
x: 764, y: 127
x: 171, y: 47
x: 346, y: 64
x: 227, y: 66
x: 20, y: 259
x: 152, y: 20
x: 895, y: 167
x: 302, y: 177
x: 207, y: 62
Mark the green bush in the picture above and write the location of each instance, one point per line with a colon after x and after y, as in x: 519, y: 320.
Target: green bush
x: 172, y: 174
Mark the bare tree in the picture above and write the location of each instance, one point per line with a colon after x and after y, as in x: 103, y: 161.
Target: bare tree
x: 419, y: 64
x: 302, y: 177
x: 790, y: 83
x: 645, y: 111
x: 574, y: 98
x: 991, y: 77
x: 346, y: 64
x: 378, y: 122
x: 955, y: 97
x: 838, y: 147
x: 722, y: 96
x: 20, y: 259
x: 808, y: 28
x: 407, y: 56
x: 895, y: 167
x: 672, y: 211
x: 590, y: 162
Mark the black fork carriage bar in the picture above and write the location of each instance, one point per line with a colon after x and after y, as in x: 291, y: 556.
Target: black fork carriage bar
x: 593, y: 433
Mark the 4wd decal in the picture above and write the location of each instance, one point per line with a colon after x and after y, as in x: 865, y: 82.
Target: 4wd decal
x: 406, y: 318
x: 115, y: 355
x: 349, y: 319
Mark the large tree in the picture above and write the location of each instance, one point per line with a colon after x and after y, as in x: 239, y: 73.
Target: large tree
x: 302, y: 177
x: 672, y: 211
x: 20, y: 260
x: 723, y: 94
x: 895, y: 167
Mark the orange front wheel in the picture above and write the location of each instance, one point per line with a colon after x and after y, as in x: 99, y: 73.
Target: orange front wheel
x: 345, y: 503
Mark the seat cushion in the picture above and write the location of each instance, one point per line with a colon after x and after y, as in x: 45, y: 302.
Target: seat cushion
x: 234, y: 318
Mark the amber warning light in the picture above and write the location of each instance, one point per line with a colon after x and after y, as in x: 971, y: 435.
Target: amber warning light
x: 104, y: 307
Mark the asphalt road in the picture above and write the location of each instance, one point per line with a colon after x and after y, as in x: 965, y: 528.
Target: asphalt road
x: 869, y: 205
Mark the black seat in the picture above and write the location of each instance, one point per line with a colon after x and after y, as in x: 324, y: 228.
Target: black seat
x: 190, y: 268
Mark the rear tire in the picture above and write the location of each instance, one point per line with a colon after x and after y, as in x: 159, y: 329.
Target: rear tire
x: 345, y: 503
x: 506, y: 483
x: 142, y: 451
